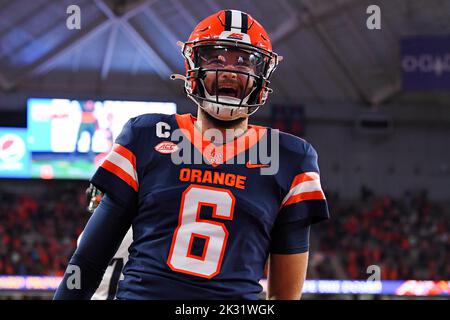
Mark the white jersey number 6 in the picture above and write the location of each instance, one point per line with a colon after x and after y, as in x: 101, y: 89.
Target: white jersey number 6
x: 190, y: 226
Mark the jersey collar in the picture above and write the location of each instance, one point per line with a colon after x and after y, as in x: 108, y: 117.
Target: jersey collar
x: 218, y: 154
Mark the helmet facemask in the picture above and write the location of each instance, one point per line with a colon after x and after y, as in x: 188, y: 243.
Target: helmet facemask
x: 240, y: 74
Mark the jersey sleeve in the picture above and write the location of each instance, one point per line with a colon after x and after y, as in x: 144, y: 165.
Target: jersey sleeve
x: 101, y: 238
x: 304, y: 204
x: 117, y: 175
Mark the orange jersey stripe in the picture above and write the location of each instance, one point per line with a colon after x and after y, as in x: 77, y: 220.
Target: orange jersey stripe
x: 124, y: 152
x: 313, y: 195
x: 120, y: 173
x: 302, y: 177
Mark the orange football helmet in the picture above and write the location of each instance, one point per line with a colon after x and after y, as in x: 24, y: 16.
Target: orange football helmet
x: 228, y: 37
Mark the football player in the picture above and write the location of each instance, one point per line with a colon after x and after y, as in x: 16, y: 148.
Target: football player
x: 108, y: 286
x: 204, y: 230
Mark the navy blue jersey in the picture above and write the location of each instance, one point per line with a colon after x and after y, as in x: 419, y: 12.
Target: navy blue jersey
x: 205, y: 230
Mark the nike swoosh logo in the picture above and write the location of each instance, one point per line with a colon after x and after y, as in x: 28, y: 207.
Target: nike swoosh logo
x: 254, y: 166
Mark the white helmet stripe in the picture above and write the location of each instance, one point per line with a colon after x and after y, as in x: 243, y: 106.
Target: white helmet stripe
x: 236, y: 21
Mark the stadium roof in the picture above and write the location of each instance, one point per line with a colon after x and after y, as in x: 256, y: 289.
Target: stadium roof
x: 129, y: 47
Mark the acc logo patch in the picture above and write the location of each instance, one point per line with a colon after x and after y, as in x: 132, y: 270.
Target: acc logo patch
x: 166, y: 147
x: 238, y: 36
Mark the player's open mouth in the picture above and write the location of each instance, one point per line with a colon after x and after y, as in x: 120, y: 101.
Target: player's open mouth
x: 228, y: 90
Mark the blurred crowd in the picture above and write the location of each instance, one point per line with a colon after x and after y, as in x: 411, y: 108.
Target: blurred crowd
x: 38, y: 232
x: 406, y: 239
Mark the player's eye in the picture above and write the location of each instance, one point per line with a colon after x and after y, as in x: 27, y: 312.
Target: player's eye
x: 255, y: 60
x: 244, y: 61
x: 217, y: 60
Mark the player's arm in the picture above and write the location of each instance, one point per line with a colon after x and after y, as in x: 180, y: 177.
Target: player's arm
x: 287, y: 273
x: 101, y: 238
x: 288, y: 261
x: 303, y: 205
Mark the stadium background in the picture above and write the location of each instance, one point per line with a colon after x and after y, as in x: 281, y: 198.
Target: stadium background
x: 374, y: 103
